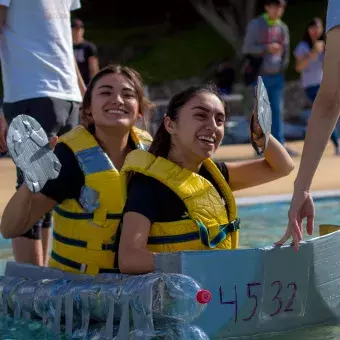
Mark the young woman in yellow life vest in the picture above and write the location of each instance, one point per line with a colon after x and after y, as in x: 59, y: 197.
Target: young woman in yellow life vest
x: 178, y: 198
x: 88, y: 196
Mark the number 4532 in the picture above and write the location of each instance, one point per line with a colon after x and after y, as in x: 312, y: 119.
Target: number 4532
x: 279, y: 306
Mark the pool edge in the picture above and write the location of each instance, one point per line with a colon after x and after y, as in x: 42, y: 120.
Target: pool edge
x: 284, y: 198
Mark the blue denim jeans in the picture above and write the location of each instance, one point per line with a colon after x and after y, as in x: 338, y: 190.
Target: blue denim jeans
x: 274, y: 84
x: 311, y: 92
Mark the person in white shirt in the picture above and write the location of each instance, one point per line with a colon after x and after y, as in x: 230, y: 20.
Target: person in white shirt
x: 40, y: 79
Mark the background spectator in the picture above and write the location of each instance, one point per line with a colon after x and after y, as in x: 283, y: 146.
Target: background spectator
x: 309, y: 55
x: 84, y: 51
x: 267, y: 36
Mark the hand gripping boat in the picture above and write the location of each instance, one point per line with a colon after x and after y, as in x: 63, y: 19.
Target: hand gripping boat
x: 252, y: 291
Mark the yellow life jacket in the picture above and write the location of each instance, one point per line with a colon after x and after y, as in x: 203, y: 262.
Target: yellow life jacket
x: 210, y: 223
x: 84, y: 230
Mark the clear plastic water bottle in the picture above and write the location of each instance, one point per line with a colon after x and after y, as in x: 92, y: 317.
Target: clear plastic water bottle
x: 167, y: 329
x: 8, y: 285
x: 174, y: 295
x: 182, y: 298
x: 23, y: 294
x: 170, y: 329
x: 46, y: 296
x: 139, y: 300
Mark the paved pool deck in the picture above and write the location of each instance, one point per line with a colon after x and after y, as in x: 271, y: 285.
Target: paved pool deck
x: 327, y: 177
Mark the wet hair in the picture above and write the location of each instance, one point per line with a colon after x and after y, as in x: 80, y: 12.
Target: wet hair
x: 129, y: 73
x: 306, y: 36
x: 161, y: 144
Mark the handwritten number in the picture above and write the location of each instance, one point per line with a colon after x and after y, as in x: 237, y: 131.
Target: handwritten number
x: 289, y: 307
x: 277, y: 297
x: 252, y: 296
x: 230, y: 302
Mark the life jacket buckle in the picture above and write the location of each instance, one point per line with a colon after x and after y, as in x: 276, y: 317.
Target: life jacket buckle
x: 234, y: 225
x: 109, y: 246
x: 83, y: 268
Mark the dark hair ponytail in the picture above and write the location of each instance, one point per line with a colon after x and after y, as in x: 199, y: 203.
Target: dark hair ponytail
x: 161, y: 144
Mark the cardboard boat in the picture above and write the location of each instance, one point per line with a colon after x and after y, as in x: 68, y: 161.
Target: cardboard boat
x: 254, y: 291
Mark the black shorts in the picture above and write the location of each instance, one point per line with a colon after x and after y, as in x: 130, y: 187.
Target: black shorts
x: 56, y: 116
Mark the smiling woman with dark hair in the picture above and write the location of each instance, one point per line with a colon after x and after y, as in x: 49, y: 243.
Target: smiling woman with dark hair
x: 88, y: 196
x: 178, y: 198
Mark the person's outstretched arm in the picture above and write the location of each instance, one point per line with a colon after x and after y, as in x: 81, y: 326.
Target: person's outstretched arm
x: 134, y: 257
x: 276, y: 164
x: 325, y: 113
x: 143, y: 205
x: 16, y: 221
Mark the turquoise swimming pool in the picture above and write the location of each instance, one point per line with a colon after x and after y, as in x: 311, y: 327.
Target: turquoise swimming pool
x: 262, y: 225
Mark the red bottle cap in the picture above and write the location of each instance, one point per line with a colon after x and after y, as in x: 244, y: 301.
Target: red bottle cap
x: 203, y: 296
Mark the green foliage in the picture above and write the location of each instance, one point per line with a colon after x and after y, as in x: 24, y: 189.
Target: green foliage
x: 182, y: 55
x: 188, y: 53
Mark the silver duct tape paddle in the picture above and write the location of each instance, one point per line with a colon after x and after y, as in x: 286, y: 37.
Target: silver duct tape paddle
x: 28, y: 145
x: 263, y: 115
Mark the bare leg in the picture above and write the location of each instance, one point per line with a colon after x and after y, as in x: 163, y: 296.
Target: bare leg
x: 26, y: 250
x: 46, y: 242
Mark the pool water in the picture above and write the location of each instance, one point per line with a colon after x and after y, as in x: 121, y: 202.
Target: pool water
x: 261, y: 225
